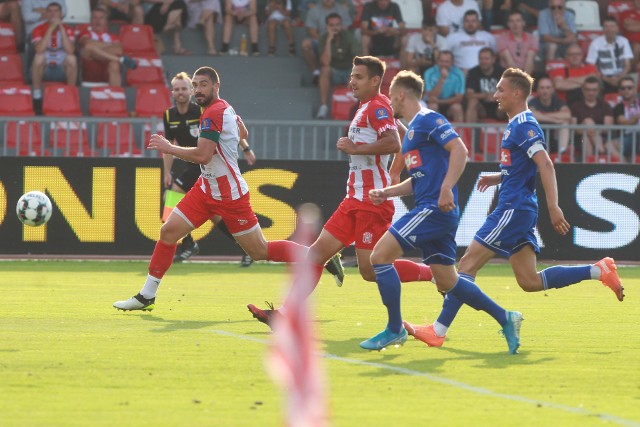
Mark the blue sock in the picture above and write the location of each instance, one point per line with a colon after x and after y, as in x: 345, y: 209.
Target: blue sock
x: 389, y: 287
x: 560, y: 276
x: 451, y: 306
x: 470, y: 294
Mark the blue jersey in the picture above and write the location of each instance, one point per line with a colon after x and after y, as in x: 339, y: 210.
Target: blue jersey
x: 522, y: 139
x: 426, y: 158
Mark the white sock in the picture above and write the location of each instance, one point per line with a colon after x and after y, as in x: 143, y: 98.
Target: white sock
x: 150, y: 288
x: 440, y: 329
x: 595, y: 272
x: 37, y: 93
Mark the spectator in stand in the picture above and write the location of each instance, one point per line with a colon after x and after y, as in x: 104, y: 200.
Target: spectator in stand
x: 481, y: 86
x: 124, y: 10
x: 422, y: 48
x: 240, y: 12
x: 627, y: 112
x: 102, y: 52
x: 34, y: 12
x: 516, y: 47
x: 630, y: 20
x: 169, y: 16
x: 205, y: 14
x: 494, y: 12
x: 530, y: 10
x: 279, y: 13
x: 10, y: 12
x: 557, y: 28
x: 381, y: 28
x: 569, y: 79
x: 548, y: 108
x: 444, y: 87
x: 316, y: 26
x: 591, y: 110
x: 54, y: 58
x: 339, y: 47
x: 466, y: 44
x: 450, y: 15
x: 611, y: 54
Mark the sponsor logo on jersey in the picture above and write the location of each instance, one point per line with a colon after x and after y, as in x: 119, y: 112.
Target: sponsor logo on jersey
x: 412, y: 159
x: 206, y: 124
x: 446, y: 133
x: 506, y: 135
x: 367, y: 237
x: 505, y: 157
x: 410, y: 135
x: 382, y: 113
x: 242, y: 221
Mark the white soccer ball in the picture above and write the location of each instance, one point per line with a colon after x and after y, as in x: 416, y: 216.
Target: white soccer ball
x: 34, y: 209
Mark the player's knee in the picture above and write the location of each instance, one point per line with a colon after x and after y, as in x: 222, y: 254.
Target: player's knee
x: 529, y: 284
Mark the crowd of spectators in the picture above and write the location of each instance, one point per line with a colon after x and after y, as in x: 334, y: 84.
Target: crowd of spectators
x: 461, y: 50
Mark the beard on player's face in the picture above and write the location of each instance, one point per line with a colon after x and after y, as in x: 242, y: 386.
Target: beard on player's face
x: 204, y: 100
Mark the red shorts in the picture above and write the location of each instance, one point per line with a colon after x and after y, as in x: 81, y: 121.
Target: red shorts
x: 197, y: 208
x: 95, y: 71
x: 360, y: 222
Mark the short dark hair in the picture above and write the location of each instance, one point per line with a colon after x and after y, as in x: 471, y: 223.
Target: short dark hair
x: 627, y: 79
x: 429, y: 22
x: 471, y: 12
x: 487, y: 49
x: 515, y: 12
x: 331, y: 16
x: 519, y: 79
x: 55, y: 3
x: 591, y: 80
x: 409, y: 81
x: 610, y: 18
x: 375, y: 66
x: 208, y: 71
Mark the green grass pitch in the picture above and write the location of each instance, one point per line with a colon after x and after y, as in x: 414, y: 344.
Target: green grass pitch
x: 67, y: 358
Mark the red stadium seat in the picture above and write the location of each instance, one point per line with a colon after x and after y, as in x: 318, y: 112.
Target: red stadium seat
x: 7, y: 38
x: 342, y: 103
x: 465, y: 135
x: 602, y: 158
x: 137, y: 40
x: 612, y: 99
x: 616, y: 8
x: 152, y: 100
x: 585, y: 38
x: 115, y: 134
x: 148, y: 130
x: 11, y: 66
x: 565, y: 158
x: 108, y: 101
x: 61, y: 100
x: 490, y: 138
x: 149, y: 71
x: 69, y: 138
x: 19, y: 133
x: 16, y: 100
x: 393, y: 68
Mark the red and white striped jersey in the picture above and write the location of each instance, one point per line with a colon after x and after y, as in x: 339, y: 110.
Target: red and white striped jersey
x: 221, y: 177
x: 367, y: 172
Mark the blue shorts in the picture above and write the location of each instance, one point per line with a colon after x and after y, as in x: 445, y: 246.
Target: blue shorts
x: 428, y: 229
x: 54, y: 73
x: 507, y: 231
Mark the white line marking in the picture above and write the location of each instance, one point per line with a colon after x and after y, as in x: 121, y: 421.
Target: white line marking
x: 452, y: 383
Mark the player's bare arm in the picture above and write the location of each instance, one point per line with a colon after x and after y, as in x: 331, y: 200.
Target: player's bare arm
x: 378, y: 196
x: 200, y: 154
x: 548, y: 179
x: 457, y: 161
x: 397, y: 164
x: 388, y: 143
x: 487, y: 181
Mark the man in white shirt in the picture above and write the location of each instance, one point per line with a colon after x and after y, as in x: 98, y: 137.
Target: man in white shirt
x: 422, y: 48
x: 466, y: 44
x: 611, y: 54
x: 450, y: 15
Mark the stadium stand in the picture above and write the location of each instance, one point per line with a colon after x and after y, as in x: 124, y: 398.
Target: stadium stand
x: 16, y: 100
x: 137, y: 40
x: 108, y: 101
x: 61, y: 100
x: 12, y: 72
x: 342, y: 103
x: 149, y: 71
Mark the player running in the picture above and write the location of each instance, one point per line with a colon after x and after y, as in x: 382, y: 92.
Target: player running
x: 373, y: 138
x: 509, y: 230
x: 220, y: 191
x: 435, y: 156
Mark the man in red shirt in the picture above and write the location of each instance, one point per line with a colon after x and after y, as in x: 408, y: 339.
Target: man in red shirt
x: 568, y: 80
x: 54, y: 58
x: 101, y: 52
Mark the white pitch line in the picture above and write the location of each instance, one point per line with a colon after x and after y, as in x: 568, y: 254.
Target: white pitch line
x: 452, y: 383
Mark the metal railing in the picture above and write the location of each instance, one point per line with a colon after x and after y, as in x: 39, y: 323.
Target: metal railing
x: 286, y: 140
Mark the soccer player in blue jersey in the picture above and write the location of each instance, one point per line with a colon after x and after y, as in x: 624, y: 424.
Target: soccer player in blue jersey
x: 509, y: 230
x: 435, y: 156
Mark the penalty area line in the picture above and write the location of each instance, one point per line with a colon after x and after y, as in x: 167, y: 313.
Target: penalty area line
x: 452, y: 383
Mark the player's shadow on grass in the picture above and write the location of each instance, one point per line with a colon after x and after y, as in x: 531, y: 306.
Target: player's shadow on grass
x: 170, y: 325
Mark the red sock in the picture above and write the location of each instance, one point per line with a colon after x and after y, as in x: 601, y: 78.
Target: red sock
x: 297, y: 294
x: 161, y: 259
x: 410, y: 271
x: 283, y: 250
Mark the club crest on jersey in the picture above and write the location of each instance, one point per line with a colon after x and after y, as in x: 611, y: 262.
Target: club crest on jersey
x: 206, y: 124
x: 506, y: 134
x: 367, y: 237
x: 531, y: 133
x: 410, y: 135
x: 382, y: 113
x: 439, y: 122
x: 505, y: 157
x: 412, y: 159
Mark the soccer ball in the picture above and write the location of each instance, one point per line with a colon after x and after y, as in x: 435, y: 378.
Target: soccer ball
x: 34, y: 209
